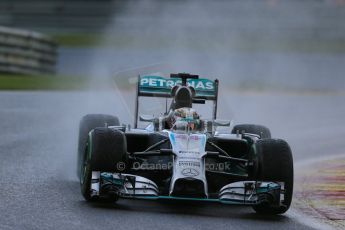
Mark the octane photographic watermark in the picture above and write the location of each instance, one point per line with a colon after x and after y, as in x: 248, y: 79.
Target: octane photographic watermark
x: 121, y: 166
x: 152, y: 166
x: 217, y: 167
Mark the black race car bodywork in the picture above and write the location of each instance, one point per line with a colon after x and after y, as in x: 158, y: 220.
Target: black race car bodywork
x: 238, y: 166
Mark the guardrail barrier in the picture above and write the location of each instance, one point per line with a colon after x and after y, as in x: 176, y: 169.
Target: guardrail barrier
x: 26, y: 52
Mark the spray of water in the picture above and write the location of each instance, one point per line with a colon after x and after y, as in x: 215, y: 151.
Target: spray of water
x: 249, y: 45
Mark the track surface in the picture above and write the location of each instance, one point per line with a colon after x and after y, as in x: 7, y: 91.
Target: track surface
x: 39, y: 189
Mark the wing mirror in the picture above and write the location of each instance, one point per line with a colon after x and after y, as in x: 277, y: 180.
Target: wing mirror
x: 147, y: 118
x: 211, y: 126
x: 224, y: 123
x: 158, y: 123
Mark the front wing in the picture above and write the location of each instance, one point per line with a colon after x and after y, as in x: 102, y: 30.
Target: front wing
x: 137, y: 187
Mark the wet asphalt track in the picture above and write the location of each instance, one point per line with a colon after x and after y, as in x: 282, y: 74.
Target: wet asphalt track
x: 39, y: 189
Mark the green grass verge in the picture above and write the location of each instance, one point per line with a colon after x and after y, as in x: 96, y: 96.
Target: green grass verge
x: 226, y: 45
x: 77, y: 40
x: 53, y: 82
x: 74, y: 83
x: 21, y: 82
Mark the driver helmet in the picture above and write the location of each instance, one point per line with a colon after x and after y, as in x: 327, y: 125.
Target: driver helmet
x: 186, y: 119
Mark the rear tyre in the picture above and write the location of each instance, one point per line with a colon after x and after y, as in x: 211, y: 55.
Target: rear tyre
x: 106, y: 151
x: 275, y: 163
x: 260, y: 130
x: 88, y: 123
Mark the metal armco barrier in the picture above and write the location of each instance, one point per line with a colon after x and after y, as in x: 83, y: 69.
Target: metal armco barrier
x: 26, y: 52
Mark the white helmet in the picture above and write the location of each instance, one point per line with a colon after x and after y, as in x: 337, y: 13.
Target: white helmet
x: 186, y: 119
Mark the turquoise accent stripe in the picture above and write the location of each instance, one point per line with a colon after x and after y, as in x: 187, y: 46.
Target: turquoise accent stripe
x: 172, y: 138
x: 90, y: 145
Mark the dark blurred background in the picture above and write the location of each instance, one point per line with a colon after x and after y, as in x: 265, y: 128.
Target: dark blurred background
x: 275, y: 44
x: 323, y: 18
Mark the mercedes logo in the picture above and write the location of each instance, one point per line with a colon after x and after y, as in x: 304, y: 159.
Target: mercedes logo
x: 190, y: 172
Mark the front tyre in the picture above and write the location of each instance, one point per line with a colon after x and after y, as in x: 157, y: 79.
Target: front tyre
x: 275, y: 164
x: 106, y: 150
x: 88, y: 123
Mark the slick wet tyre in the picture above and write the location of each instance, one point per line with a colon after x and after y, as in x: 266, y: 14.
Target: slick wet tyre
x: 106, y: 151
x: 88, y: 123
x: 275, y: 163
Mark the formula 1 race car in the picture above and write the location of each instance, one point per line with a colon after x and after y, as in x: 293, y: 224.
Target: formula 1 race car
x: 181, y: 156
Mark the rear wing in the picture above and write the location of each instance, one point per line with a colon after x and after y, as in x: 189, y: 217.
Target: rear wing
x: 158, y: 86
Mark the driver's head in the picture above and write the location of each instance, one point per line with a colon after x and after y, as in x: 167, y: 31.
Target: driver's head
x: 186, y: 114
x: 186, y: 119
x: 183, y: 96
